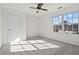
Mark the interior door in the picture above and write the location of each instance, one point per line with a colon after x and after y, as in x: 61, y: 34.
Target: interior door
x: 14, y: 27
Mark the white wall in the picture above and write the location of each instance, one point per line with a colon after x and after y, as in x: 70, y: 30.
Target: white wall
x: 32, y: 26
x: 46, y: 28
x: 0, y: 28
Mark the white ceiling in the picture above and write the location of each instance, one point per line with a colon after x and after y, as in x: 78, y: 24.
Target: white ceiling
x: 25, y: 7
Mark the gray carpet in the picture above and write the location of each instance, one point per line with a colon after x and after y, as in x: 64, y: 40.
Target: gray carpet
x: 39, y: 46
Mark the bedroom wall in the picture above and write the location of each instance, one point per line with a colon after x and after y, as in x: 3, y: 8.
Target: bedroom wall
x: 32, y: 26
x: 46, y: 27
x: 0, y: 28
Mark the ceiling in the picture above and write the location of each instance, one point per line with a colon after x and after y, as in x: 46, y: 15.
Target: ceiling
x: 25, y: 7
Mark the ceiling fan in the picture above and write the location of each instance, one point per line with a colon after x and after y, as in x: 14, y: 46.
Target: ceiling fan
x: 39, y: 7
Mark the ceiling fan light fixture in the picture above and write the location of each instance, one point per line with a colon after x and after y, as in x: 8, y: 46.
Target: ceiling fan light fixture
x: 39, y: 7
x: 37, y: 11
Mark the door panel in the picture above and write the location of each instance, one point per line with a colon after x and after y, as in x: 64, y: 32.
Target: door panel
x: 14, y: 27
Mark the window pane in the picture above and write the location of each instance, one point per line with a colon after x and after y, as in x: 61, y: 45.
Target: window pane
x: 75, y: 20
x: 75, y: 28
x: 68, y: 23
x: 75, y: 23
x: 70, y: 15
x: 75, y: 14
x: 70, y: 18
x: 55, y: 28
x: 57, y: 22
x: 75, y: 17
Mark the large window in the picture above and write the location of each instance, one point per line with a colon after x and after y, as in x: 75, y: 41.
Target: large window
x: 68, y: 23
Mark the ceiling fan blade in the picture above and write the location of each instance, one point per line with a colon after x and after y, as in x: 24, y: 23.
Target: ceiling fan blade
x: 44, y: 9
x: 33, y: 7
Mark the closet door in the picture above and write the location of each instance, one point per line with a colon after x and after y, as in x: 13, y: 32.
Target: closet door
x: 14, y: 27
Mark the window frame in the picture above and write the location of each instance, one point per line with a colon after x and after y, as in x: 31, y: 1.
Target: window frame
x: 67, y: 19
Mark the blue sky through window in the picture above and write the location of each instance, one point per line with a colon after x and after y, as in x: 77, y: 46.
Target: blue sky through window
x: 70, y: 18
x: 57, y: 20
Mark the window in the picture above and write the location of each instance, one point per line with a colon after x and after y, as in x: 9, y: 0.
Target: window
x: 57, y: 21
x: 68, y: 23
x: 75, y: 22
